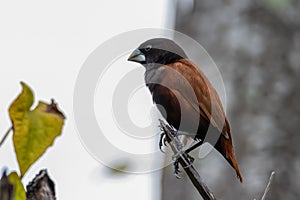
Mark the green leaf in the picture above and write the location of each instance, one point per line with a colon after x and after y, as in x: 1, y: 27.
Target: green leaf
x: 19, y: 191
x: 34, y: 130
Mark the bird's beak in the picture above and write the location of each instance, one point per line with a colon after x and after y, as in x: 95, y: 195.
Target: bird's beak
x: 137, y: 56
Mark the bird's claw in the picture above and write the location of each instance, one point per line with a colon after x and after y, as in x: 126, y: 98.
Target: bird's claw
x: 162, y: 141
x: 176, y: 169
x: 190, y: 160
x: 175, y: 157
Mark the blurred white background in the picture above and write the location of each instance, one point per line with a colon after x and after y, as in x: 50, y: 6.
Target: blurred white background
x: 44, y: 44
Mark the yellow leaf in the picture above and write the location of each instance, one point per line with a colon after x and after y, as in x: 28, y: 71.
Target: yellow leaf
x: 34, y: 130
x: 19, y: 191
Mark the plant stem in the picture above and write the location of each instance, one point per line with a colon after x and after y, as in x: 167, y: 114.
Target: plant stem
x: 268, y: 186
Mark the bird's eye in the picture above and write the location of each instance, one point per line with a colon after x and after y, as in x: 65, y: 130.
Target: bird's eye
x: 148, y: 47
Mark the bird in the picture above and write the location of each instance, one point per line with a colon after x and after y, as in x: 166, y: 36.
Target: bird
x: 184, y: 95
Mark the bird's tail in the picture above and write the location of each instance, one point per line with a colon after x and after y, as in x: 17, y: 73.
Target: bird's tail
x: 225, y: 147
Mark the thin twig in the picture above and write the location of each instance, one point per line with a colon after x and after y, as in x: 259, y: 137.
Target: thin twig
x: 268, y: 186
x: 183, y: 159
x: 5, y: 136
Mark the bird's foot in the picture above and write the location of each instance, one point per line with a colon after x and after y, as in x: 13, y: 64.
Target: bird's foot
x: 175, y: 157
x: 176, y: 169
x: 174, y: 132
x: 162, y: 141
x: 190, y: 160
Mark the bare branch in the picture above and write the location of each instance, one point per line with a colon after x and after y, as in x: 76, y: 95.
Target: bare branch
x: 268, y: 186
x: 183, y: 159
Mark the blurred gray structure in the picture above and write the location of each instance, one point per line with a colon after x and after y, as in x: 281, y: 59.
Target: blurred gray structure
x: 256, y: 45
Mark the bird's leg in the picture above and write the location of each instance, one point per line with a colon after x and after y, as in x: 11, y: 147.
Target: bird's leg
x: 178, y: 144
x: 175, y: 157
x: 187, y: 151
x: 189, y: 157
x: 181, y: 152
x: 198, y: 144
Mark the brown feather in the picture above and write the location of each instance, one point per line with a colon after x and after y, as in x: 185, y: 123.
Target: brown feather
x: 191, y: 103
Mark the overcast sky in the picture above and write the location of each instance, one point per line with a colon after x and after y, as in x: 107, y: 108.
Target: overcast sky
x: 45, y: 43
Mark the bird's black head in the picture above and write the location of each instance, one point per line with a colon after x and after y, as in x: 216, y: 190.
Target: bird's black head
x: 159, y: 51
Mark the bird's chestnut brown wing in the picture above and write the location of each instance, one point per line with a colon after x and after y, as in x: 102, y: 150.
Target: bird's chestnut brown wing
x: 203, y: 97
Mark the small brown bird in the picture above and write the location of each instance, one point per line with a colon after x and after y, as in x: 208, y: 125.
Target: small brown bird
x: 187, y: 99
